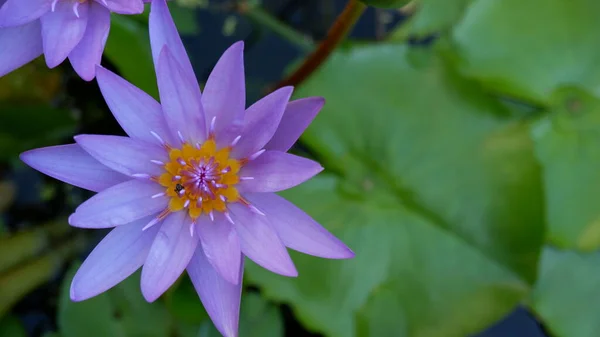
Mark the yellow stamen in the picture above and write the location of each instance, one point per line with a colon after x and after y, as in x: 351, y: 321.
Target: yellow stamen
x: 200, y: 179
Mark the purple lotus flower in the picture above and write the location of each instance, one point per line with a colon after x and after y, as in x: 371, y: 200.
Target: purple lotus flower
x: 192, y: 187
x: 76, y: 29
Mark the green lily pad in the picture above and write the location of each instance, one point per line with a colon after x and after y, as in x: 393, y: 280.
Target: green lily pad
x: 430, y: 17
x: 566, y: 294
x: 528, y: 49
x: 567, y: 146
x: 435, y: 187
x: 435, y: 15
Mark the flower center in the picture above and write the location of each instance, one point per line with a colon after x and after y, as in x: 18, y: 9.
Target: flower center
x: 201, y: 179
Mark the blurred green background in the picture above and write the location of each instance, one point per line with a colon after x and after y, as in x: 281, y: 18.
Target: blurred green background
x: 461, y: 141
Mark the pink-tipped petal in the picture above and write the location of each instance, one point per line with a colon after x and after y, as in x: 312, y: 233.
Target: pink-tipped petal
x: 62, y: 30
x: 297, y: 229
x: 170, y: 254
x: 260, y: 242
x: 117, y: 256
x: 220, y: 298
x: 221, y: 246
x: 164, y: 33
x: 261, y: 121
x: 180, y: 100
x: 137, y: 112
x: 297, y: 117
x: 123, y: 154
x: 20, y: 45
x: 119, y: 205
x: 123, y: 6
x: 19, y: 12
x: 275, y: 171
x: 88, y: 53
x: 71, y: 164
x: 224, y: 96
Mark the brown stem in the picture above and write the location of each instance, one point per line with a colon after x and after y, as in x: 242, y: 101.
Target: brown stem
x: 340, y: 29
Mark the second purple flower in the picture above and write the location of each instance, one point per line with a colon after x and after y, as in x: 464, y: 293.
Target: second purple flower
x: 60, y: 29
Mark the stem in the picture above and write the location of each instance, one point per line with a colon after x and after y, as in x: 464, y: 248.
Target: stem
x: 338, y: 32
x: 259, y: 15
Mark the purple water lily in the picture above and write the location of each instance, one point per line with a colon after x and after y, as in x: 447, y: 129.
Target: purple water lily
x: 76, y: 29
x: 193, y: 186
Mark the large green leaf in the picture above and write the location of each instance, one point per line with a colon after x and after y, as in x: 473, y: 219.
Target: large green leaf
x: 430, y: 17
x: 530, y: 48
x: 437, y: 191
x: 567, y: 144
x: 567, y: 292
x: 434, y: 15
